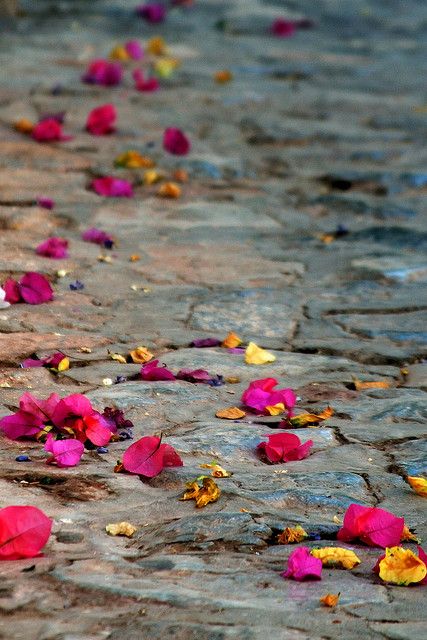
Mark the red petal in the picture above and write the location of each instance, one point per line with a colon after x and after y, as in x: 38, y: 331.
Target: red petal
x: 23, y: 532
x: 97, y: 430
x: 144, y: 457
x: 170, y: 456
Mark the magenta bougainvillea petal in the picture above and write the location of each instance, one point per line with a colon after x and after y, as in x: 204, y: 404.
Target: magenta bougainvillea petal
x: 303, y: 566
x: 65, y: 453
x: 373, y: 526
x: 152, y: 372
x: 101, y: 121
x: 110, y: 187
x: 23, y: 532
x: 56, y: 248
x: 148, y: 457
x: 176, y: 142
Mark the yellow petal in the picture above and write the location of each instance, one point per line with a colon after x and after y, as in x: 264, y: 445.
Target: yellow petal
x: 169, y: 190
x: 156, y: 46
x: 256, y: 355
x: 119, y: 53
x: 336, y: 557
x: 275, y: 409
x: 209, y: 492
x: 217, y: 470
x: 330, y: 600
x: 408, y: 536
x: 292, y: 534
x: 166, y: 66
x: 223, y: 76
x: 380, y: 384
x: 232, y: 341
x: 118, y: 358
x: 311, y: 418
x: 233, y: 413
x: 121, y: 529
x: 134, y: 160
x: 141, y: 355
x: 419, y: 485
x: 151, y: 177
x: 401, y: 566
x: 64, y: 365
x: 23, y: 125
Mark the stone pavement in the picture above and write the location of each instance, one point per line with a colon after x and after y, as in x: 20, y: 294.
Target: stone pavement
x: 322, y: 129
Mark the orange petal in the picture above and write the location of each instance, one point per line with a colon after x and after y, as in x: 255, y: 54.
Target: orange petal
x: 330, y: 600
x: 231, y: 341
x: 419, y: 485
x: 140, y: 355
x: 380, y: 384
x: 291, y: 535
x: 233, y: 413
x: 401, y: 566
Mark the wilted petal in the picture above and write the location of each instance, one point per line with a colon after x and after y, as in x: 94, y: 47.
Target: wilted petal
x: 152, y: 372
x: 53, y: 248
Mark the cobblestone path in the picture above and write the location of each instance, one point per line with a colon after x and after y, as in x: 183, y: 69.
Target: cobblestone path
x: 320, y: 134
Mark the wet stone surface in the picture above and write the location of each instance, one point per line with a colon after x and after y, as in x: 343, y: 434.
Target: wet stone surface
x: 316, y: 133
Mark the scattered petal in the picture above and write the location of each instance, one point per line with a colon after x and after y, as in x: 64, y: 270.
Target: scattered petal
x: 305, y: 419
x: 401, y: 566
x: 152, y: 372
x: 140, y: 355
x: 419, y: 485
x: 24, y: 531
x: 202, y: 343
x: 261, y: 393
x: 110, y: 187
x: 232, y: 413
x: 256, y: 355
x: 292, y: 535
x: 284, y: 447
x: 101, y: 121
x: 65, y: 453
x: 148, y: 457
x: 283, y: 28
x: 223, y: 76
x: 330, y: 599
x: 104, y: 73
x: 176, y: 142
x: 152, y: 12
x: 156, y: 46
x: 336, y: 557
x: 98, y: 237
x: 133, y: 160
x: 373, y: 526
x: 203, y: 495
x: 303, y: 566
x: 121, y: 529
x: 169, y: 190
x: 54, y: 247
x: 232, y: 341
x: 217, y: 470
x: 381, y: 384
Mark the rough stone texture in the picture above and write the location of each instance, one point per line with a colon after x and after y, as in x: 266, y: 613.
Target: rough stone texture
x: 322, y: 129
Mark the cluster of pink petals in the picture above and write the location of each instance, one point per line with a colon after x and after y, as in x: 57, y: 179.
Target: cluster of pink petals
x: 50, y: 362
x: 371, y: 525
x: 134, y: 49
x: 48, y: 130
x: 144, y: 84
x: 110, y: 187
x: 153, y: 12
x: 152, y: 372
x: 284, y: 447
x: 101, y: 120
x: 97, y: 236
x: 149, y: 456
x: 303, y: 566
x: 53, y: 248
x: 65, y: 453
x: 261, y: 394
x: 103, y: 72
x: 32, y: 288
x: 176, y: 142
x: 72, y: 417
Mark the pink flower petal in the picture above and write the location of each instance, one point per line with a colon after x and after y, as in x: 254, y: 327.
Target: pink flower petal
x: 12, y: 291
x: 373, y: 526
x: 23, y: 532
x: 176, y: 142
x: 148, y: 457
x: 134, y: 49
x: 97, y: 429
x: 152, y: 372
x: 152, y: 12
x: 145, y: 84
x: 283, y: 28
x: 112, y: 187
x: 20, y: 425
x: 65, y: 453
x: 104, y: 73
x: 101, y: 121
x: 53, y: 248
x: 284, y: 447
x: 35, y: 288
x: 303, y: 566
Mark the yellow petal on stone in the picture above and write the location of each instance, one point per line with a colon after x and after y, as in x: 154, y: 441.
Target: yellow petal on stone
x: 292, y: 535
x: 118, y: 358
x: 311, y: 418
x: 140, y: 355
x: 223, y: 76
x: 64, y: 365
x: 233, y: 413
x: 330, y: 599
x: 156, y: 46
x: 121, y: 529
x: 336, y: 557
x: 217, y: 470
x: 401, y: 566
x: 257, y: 355
x: 275, y: 409
x: 119, y: 53
x: 419, y: 485
x: 209, y: 492
x: 151, y: 177
x: 134, y: 160
x: 23, y: 126
x: 166, y: 66
x: 169, y: 190
x: 232, y: 341
x: 359, y: 385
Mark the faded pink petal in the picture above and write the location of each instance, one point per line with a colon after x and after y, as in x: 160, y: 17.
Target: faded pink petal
x: 112, y: 187
x: 303, y: 566
x: 65, y: 453
x: 46, y: 203
x: 148, y: 457
x: 194, y: 375
x: 104, y: 73
x: 41, y: 409
x: 53, y: 248
x: 261, y: 394
x: 152, y: 372
x: 20, y: 425
x: 134, y: 49
x: 145, y: 84
x: 32, y: 362
x: 373, y: 526
x: 152, y: 12
x: 176, y: 142
x: 35, y: 288
x: 101, y: 121
x: 98, y: 237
